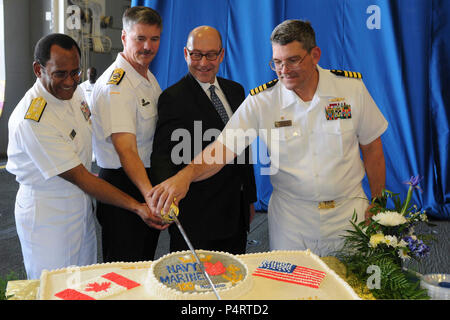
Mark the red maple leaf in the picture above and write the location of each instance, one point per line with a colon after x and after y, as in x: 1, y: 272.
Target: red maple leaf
x: 96, y: 287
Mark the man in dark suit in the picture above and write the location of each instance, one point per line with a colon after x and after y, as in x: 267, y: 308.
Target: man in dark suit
x: 216, y: 212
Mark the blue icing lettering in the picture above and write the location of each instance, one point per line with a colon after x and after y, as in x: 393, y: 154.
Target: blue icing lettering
x: 182, y: 267
x: 168, y: 279
x: 164, y: 279
x: 182, y: 277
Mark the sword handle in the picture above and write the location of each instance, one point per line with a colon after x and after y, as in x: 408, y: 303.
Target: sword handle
x: 173, y: 211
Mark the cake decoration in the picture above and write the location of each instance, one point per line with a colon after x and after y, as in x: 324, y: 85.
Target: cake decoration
x: 141, y: 280
x: 185, y: 274
x: 287, y: 272
x: 178, y: 275
x: 98, y: 287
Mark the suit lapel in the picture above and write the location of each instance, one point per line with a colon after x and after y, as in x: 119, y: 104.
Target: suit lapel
x: 203, y: 103
x: 232, y: 98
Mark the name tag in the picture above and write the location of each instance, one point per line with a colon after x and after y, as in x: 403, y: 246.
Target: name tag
x: 283, y: 123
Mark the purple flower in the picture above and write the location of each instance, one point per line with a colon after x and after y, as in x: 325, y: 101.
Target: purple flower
x: 417, y: 247
x: 414, y: 182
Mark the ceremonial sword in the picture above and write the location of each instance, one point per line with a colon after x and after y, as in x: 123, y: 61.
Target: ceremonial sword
x: 173, y: 215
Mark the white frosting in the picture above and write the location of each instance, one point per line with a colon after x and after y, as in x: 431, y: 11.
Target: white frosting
x: 158, y: 289
x: 332, y: 287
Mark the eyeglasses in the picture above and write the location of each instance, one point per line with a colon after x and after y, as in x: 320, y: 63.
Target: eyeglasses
x: 197, y: 56
x: 291, y: 63
x: 62, y: 75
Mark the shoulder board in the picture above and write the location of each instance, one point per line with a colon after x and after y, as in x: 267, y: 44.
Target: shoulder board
x: 36, y: 109
x: 116, y: 76
x: 348, y: 74
x: 263, y: 87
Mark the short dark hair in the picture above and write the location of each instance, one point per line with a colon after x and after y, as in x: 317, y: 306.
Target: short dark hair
x: 291, y: 30
x: 140, y: 14
x: 43, y: 46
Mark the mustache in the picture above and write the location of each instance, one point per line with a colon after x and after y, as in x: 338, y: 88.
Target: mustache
x: 146, y: 52
x: 284, y: 75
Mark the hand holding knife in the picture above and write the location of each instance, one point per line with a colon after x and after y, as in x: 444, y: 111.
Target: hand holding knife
x: 172, y: 215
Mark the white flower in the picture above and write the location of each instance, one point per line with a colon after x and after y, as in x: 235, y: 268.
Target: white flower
x: 376, y: 239
x: 389, y: 218
x: 402, y: 243
x: 403, y: 254
x: 391, y: 241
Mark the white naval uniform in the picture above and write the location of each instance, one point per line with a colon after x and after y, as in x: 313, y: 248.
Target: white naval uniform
x: 54, y: 217
x: 87, y: 87
x: 130, y: 106
x: 312, y: 159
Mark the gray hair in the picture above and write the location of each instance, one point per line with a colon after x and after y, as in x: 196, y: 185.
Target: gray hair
x: 290, y: 30
x: 140, y: 14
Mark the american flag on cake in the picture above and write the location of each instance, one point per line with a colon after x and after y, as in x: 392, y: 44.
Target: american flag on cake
x: 287, y: 272
x: 98, y: 288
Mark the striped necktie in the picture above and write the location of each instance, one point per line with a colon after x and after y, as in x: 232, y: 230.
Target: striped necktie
x: 218, y: 104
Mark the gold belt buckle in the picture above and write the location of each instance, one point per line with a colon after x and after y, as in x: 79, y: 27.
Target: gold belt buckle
x: 327, y: 204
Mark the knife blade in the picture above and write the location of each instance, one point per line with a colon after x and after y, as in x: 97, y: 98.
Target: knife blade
x: 174, y: 217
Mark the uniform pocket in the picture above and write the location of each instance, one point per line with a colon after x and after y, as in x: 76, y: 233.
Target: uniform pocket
x: 148, y: 111
x: 337, y: 135
x: 289, y: 142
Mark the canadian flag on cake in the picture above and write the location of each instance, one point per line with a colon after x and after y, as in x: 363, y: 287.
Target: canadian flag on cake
x: 98, y: 288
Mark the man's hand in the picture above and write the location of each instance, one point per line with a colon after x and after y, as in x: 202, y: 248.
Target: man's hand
x: 171, y: 190
x: 149, y: 218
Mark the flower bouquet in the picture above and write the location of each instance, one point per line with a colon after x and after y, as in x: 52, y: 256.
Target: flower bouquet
x: 375, y: 249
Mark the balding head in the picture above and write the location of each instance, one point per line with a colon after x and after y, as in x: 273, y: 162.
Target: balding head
x: 205, y: 34
x: 204, y: 53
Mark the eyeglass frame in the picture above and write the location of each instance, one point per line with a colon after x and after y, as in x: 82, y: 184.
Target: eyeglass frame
x: 292, y: 67
x: 217, y: 54
x: 74, y: 75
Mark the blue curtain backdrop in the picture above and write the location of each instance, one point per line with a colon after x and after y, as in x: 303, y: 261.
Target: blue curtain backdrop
x: 401, y: 47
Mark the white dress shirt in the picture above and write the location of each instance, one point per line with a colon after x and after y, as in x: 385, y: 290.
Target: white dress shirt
x: 130, y: 106
x: 312, y: 159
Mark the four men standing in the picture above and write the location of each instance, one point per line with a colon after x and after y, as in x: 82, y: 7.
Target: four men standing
x: 133, y: 127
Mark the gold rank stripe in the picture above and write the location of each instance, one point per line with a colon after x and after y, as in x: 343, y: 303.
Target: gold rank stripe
x: 348, y: 74
x: 36, y: 109
x: 263, y: 87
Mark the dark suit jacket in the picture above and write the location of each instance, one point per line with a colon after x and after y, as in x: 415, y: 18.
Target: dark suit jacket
x: 211, y: 209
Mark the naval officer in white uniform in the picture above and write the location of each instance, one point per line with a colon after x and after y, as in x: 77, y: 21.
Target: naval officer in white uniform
x: 50, y: 151
x: 124, y: 116
x: 314, y: 123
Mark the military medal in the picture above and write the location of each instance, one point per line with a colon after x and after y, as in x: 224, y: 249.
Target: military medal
x: 338, y: 110
x: 85, y: 110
